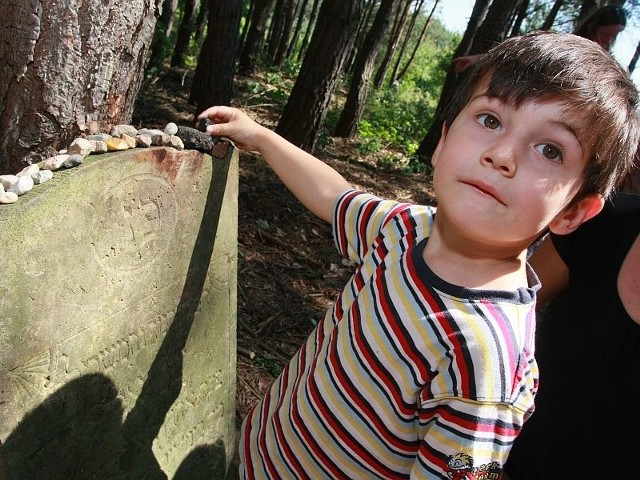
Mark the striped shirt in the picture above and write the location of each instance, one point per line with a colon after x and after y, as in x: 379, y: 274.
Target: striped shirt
x: 406, y: 376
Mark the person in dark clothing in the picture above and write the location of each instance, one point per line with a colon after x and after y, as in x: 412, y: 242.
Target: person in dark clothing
x: 587, y: 417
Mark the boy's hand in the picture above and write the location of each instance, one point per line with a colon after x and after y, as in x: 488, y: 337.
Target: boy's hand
x: 312, y: 181
x: 234, y: 124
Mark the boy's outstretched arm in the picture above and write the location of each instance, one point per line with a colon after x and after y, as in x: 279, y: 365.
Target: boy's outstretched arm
x: 312, y: 181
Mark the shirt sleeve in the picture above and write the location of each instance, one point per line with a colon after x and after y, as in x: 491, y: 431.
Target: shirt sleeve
x: 358, y: 220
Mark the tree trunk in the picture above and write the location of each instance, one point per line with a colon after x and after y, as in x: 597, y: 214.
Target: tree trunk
x: 364, y: 25
x: 307, y: 33
x: 184, y: 32
x: 275, y: 29
x: 66, y: 67
x: 300, y: 17
x: 522, y: 14
x: 634, y: 59
x: 307, y: 106
x: 213, y: 78
x: 394, y: 37
x: 548, y: 22
x: 412, y: 56
x: 467, y: 46
x: 168, y: 16
x: 201, y: 20
x: 363, y: 70
x: 288, y: 17
x: 405, y: 42
x: 255, y: 36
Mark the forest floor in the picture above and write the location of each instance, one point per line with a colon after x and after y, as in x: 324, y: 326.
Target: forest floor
x: 289, y: 271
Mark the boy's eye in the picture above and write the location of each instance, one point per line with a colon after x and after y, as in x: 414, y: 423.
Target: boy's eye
x: 489, y: 121
x: 549, y: 151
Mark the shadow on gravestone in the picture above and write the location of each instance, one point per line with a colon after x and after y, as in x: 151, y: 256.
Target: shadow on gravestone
x: 78, y: 432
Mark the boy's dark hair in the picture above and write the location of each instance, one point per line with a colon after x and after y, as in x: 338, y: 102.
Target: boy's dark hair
x: 547, y: 66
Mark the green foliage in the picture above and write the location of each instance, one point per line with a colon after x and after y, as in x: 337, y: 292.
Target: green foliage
x: 397, y: 117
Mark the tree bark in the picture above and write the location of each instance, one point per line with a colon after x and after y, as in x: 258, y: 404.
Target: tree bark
x: 308, y: 103
x: 213, y: 78
x: 634, y: 59
x: 394, y: 38
x: 184, y: 32
x: 548, y: 22
x: 66, y: 67
x: 405, y: 42
x: 307, y: 33
x: 477, y: 38
x: 255, y: 36
x: 363, y: 70
x: 414, y: 52
x: 288, y: 18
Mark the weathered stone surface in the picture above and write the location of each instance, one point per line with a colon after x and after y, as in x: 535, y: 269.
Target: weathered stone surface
x: 118, y: 314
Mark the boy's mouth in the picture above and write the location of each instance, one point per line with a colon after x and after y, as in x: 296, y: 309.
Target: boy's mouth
x: 485, y: 189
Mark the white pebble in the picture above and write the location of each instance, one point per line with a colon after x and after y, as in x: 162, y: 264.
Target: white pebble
x: 171, y: 128
x: 80, y: 146
x: 22, y: 186
x: 42, y: 176
x: 8, y: 197
x: 8, y: 180
x: 29, y: 170
x: 54, y: 163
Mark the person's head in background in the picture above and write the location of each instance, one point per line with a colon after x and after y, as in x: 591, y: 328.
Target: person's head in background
x: 603, y: 25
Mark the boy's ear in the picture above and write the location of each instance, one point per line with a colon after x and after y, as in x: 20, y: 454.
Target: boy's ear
x: 436, y: 152
x: 571, y: 218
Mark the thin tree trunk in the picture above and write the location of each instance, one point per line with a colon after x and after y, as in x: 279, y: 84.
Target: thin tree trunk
x: 300, y: 16
x: 201, y: 22
x: 407, y: 65
x: 634, y: 59
x: 308, y: 103
x: 184, y: 32
x: 168, y: 16
x: 313, y: 17
x: 289, y: 10
x: 363, y: 70
x: 430, y: 140
x: 363, y: 29
x: 405, y: 42
x: 248, y: 15
x: 67, y: 67
x: 275, y: 30
x: 255, y: 36
x: 522, y: 14
x: 553, y: 13
x: 213, y: 78
x: 394, y: 37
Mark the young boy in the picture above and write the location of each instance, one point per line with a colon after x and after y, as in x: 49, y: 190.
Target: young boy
x: 424, y: 366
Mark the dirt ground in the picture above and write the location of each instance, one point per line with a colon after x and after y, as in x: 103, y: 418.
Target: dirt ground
x: 288, y: 269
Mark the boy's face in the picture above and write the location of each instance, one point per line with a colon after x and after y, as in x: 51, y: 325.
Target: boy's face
x: 503, y: 175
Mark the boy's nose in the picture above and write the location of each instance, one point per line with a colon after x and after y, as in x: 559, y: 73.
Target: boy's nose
x: 500, y: 156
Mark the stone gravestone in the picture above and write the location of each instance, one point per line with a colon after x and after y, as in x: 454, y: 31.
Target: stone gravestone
x: 118, y: 319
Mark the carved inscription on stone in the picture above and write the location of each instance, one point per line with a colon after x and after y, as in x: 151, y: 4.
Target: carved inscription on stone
x: 138, y: 222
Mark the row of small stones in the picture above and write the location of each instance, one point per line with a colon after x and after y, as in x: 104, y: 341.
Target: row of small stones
x: 122, y: 137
